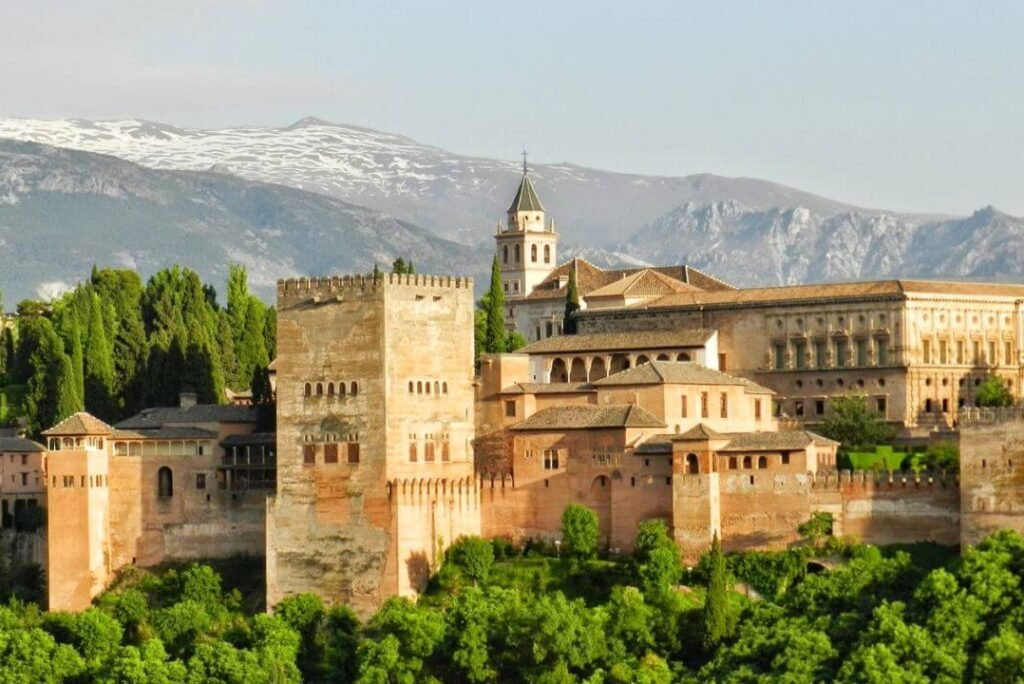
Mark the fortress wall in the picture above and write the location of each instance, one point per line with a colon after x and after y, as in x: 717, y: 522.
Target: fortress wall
x: 991, y: 472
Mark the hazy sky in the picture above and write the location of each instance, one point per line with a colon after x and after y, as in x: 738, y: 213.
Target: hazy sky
x: 902, y: 105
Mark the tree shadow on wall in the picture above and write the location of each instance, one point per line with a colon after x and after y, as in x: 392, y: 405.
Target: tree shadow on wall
x: 418, y: 568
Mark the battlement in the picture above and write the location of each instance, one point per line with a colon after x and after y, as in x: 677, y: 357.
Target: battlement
x: 332, y: 284
x: 881, y: 479
x: 990, y: 416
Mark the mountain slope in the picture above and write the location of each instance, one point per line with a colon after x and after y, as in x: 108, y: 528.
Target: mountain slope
x: 62, y: 211
x: 458, y: 197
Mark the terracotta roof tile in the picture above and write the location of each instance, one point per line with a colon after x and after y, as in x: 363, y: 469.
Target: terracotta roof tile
x: 548, y: 388
x: 200, y: 413
x: 165, y: 433
x: 645, y: 282
x: 700, y: 431
x: 677, y: 373
x: 773, y: 441
x: 590, y: 278
x: 620, y: 341
x: 19, y: 445
x: 590, y: 417
x: 80, y: 423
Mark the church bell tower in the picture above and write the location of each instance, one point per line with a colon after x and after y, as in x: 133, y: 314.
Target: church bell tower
x: 527, y: 243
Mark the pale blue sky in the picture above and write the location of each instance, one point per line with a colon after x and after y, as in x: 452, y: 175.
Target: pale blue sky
x: 912, y: 106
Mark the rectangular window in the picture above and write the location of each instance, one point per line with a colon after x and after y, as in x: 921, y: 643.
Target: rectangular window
x: 1008, y: 353
x: 800, y: 354
x: 446, y: 454
x: 428, y: 451
x: 785, y: 459
x: 798, y: 408
x: 353, y: 452
x: 780, y: 357
x: 602, y: 459
x: 881, y: 351
x: 510, y: 408
x: 840, y: 353
x: 945, y: 405
x: 943, y: 352
x: 976, y: 352
x: 862, y: 353
x: 757, y: 409
x: 820, y: 353
x: 309, y: 454
x: 703, y: 404
x: 960, y: 352
x: 722, y: 365
x: 24, y: 459
x: 413, y: 456
x: 330, y: 453
x: 551, y: 459
x: 682, y: 404
x: 880, y: 405
x: 724, y: 404
x: 927, y: 405
x: 24, y: 479
x: 819, y: 407
x: 992, y: 358
x: 926, y: 351
x: 548, y: 328
x: 200, y: 480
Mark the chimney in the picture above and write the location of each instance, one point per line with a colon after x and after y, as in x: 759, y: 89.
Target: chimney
x: 187, y: 400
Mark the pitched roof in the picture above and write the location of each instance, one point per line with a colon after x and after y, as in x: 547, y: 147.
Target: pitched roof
x: 643, y: 283
x: 548, y: 388
x: 590, y: 278
x: 588, y: 416
x: 526, y: 198
x: 250, y: 439
x: 80, y: 423
x: 183, y: 432
x: 200, y: 413
x: 615, y: 341
x: 698, y: 432
x: 774, y: 441
x: 677, y: 373
x: 19, y: 444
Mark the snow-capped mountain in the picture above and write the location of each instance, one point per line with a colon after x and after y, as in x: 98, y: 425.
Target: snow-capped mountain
x: 458, y: 197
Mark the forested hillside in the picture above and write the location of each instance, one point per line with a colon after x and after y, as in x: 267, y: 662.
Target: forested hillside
x: 114, y: 345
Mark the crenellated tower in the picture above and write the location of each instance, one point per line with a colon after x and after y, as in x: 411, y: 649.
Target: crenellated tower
x: 527, y: 243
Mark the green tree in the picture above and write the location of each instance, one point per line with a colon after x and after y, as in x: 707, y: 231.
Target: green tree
x: 270, y: 333
x: 120, y: 291
x: 852, y: 423
x: 238, y: 299
x: 341, y: 637
x: 50, y: 395
x: 401, y: 638
x: 305, y: 614
x: 99, y: 365
x: 994, y: 392
x: 572, y: 305
x: 398, y: 266
x: 716, y: 618
x: 819, y: 525
x: 514, y: 341
x: 493, y: 306
x: 579, y: 531
x: 474, y: 556
x: 77, y: 363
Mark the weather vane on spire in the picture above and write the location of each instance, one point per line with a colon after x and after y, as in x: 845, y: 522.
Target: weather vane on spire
x: 524, y: 160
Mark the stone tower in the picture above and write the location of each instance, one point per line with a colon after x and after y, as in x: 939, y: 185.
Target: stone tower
x: 374, y: 425
x: 527, y: 244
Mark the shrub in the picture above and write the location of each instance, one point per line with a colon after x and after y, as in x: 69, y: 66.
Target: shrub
x: 474, y: 556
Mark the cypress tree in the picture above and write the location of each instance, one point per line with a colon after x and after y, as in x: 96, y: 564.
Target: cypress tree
x: 120, y: 291
x: 77, y: 362
x: 99, y: 365
x: 493, y: 305
x: 409, y: 270
x: 716, y: 604
x: 398, y: 266
x: 10, y: 351
x: 50, y: 394
x: 238, y: 299
x: 572, y: 305
x: 251, y: 349
x: 376, y: 272
x: 270, y: 332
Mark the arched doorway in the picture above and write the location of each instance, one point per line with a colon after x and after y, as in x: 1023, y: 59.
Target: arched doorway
x: 599, y: 499
x: 597, y: 369
x: 559, y: 373
x: 578, y: 372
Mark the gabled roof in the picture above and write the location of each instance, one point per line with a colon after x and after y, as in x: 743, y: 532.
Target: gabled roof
x: 620, y: 341
x: 200, y: 413
x: 588, y: 416
x: 590, y: 278
x: 526, y: 198
x: 253, y: 438
x: 183, y: 432
x: 699, y: 432
x: 787, y: 440
x: 19, y: 445
x: 644, y: 283
x: 79, y: 424
x: 676, y: 373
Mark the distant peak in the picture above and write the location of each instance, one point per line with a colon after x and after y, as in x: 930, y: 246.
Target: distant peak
x: 309, y: 121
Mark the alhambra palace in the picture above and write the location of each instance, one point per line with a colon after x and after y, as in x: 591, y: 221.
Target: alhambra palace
x: 679, y: 397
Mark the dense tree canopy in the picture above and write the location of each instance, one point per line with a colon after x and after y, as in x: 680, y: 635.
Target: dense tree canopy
x: 853, y: 423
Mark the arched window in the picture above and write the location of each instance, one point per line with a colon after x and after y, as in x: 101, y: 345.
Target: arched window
x: 319, y: 389
x: 504, y: 254
x: 762, y: 462
x: 308, y: 390
x: 419, y: 387
x: 165, y: 482
x: 547, y: 254
x: 732, y: 463
x: 341, y: 388
x: 533, y: 253
x: 437, y: 387
x: 746, y: 462
x: 354, y: 388
x: 444, y: 388
x: 517, y: 253
x: 330, y: 389
x: 411, y: 389
x: 428, y: 386
x: 692, y: 466
x: 412, y: 452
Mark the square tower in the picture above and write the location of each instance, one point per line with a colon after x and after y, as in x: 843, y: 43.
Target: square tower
x: 374, y: 426
x: 527, y: 245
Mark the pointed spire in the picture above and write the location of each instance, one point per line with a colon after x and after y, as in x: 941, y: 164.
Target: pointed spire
x: 526, y: 198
